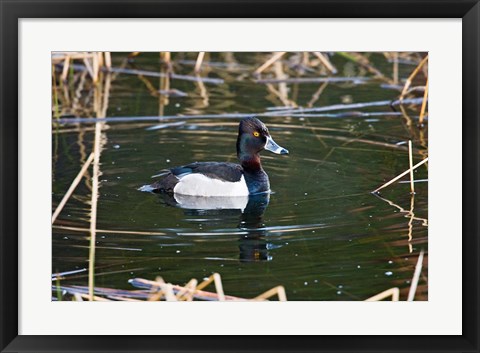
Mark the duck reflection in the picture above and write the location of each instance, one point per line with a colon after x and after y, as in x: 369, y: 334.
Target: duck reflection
x: 253, y: 245
x: 249, y: 210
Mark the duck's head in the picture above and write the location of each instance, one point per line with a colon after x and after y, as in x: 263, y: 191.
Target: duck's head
x: 253, y: 137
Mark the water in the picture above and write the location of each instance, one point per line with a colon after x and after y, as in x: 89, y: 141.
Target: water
x: 321, y: 233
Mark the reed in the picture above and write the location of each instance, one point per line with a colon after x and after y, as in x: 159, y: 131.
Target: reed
x: 160, y: 290
x: 101, y: 105
x: 400, y: 175
x: 326, y: 62
x: 424, y: 105
x: 416, y: 277
x: 364, y: 62
x: 410, y: 78
x: 276, y: 291
x: 108, y: 231
x: 198, y: 63
x: 392, y: 292
x: 217, y: 280
x: 72, y: 187
x: 269, y: 62
x: 93, y: 214
x: 119, y: 70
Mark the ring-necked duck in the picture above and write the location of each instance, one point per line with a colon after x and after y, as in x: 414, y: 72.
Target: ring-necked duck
x: 224, y: 179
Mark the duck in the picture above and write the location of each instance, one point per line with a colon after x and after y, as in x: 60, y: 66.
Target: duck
x: 218, y: 179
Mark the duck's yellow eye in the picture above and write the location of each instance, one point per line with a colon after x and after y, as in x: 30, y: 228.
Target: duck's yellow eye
x: 256, y: 133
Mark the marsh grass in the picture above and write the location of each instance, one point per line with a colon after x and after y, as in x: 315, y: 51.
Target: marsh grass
x: 160, y: 290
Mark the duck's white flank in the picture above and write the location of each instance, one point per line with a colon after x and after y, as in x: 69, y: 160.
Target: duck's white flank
x: 212, y: 202
x: 201, y: 185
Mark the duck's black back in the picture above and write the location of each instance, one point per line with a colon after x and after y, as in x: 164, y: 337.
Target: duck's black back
x: 230, y: 172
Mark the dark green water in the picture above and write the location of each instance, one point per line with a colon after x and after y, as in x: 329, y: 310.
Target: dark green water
x: 321, y: 234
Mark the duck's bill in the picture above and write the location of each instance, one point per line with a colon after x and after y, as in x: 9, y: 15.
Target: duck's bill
x: 273, y: 147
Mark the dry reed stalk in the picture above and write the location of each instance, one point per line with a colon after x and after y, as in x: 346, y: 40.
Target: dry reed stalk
x: 197, y: 293
x: 73, y: 55
x: 329, y: 79
x: 166, y: 290
x: 159, y: 290
x: 75, y: 129
x: 416, y: 277
x: 424, y: 105
x: 101, y: 59
x: 94, y: 298
x: 277, y: 94
x: 278, y: 291
x: 410, y: 161
x: 108, y: 231
x: 282, y: 86
x: 198, y: 63
x: 121, y: 70
x: 400, y: 175
x: 151, y: 88
x: 123, y: 299
x: 167, y: 57
x: 328, y: 108
x: 305, y: 59
x: 66, y: 94
x: 395, y: 68
x: 365, y: 63
x: 408, y: 119
x: 101, y: 106
x: 416, y: 89
x: 106, y: 95
x: 156, y: 296
x: 317, y: 94
x: 163, y: 84
x: 61, y: 275
x: 393, y: 292
x: 78, y: 297
x: 93, y: 215
x: 187, y: 292
x: 96, y: 66
x: 108, y: 59
x: 269, y: 62
x: 89, y: 67
x: 66, y: 65
x: 411, y: 77
x: 326, y: 62
x: 203, y: 93
x: 55, y: 102
x: 217, y: 279
x: 72, y: 187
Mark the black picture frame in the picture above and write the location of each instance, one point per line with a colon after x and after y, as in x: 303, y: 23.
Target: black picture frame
x: 12, y: 11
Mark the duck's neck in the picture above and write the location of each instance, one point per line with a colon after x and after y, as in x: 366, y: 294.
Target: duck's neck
x: 255, y: 177
x: 250, y: 163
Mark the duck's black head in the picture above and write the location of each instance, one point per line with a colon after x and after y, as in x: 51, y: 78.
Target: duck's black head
x: 253, y: 137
